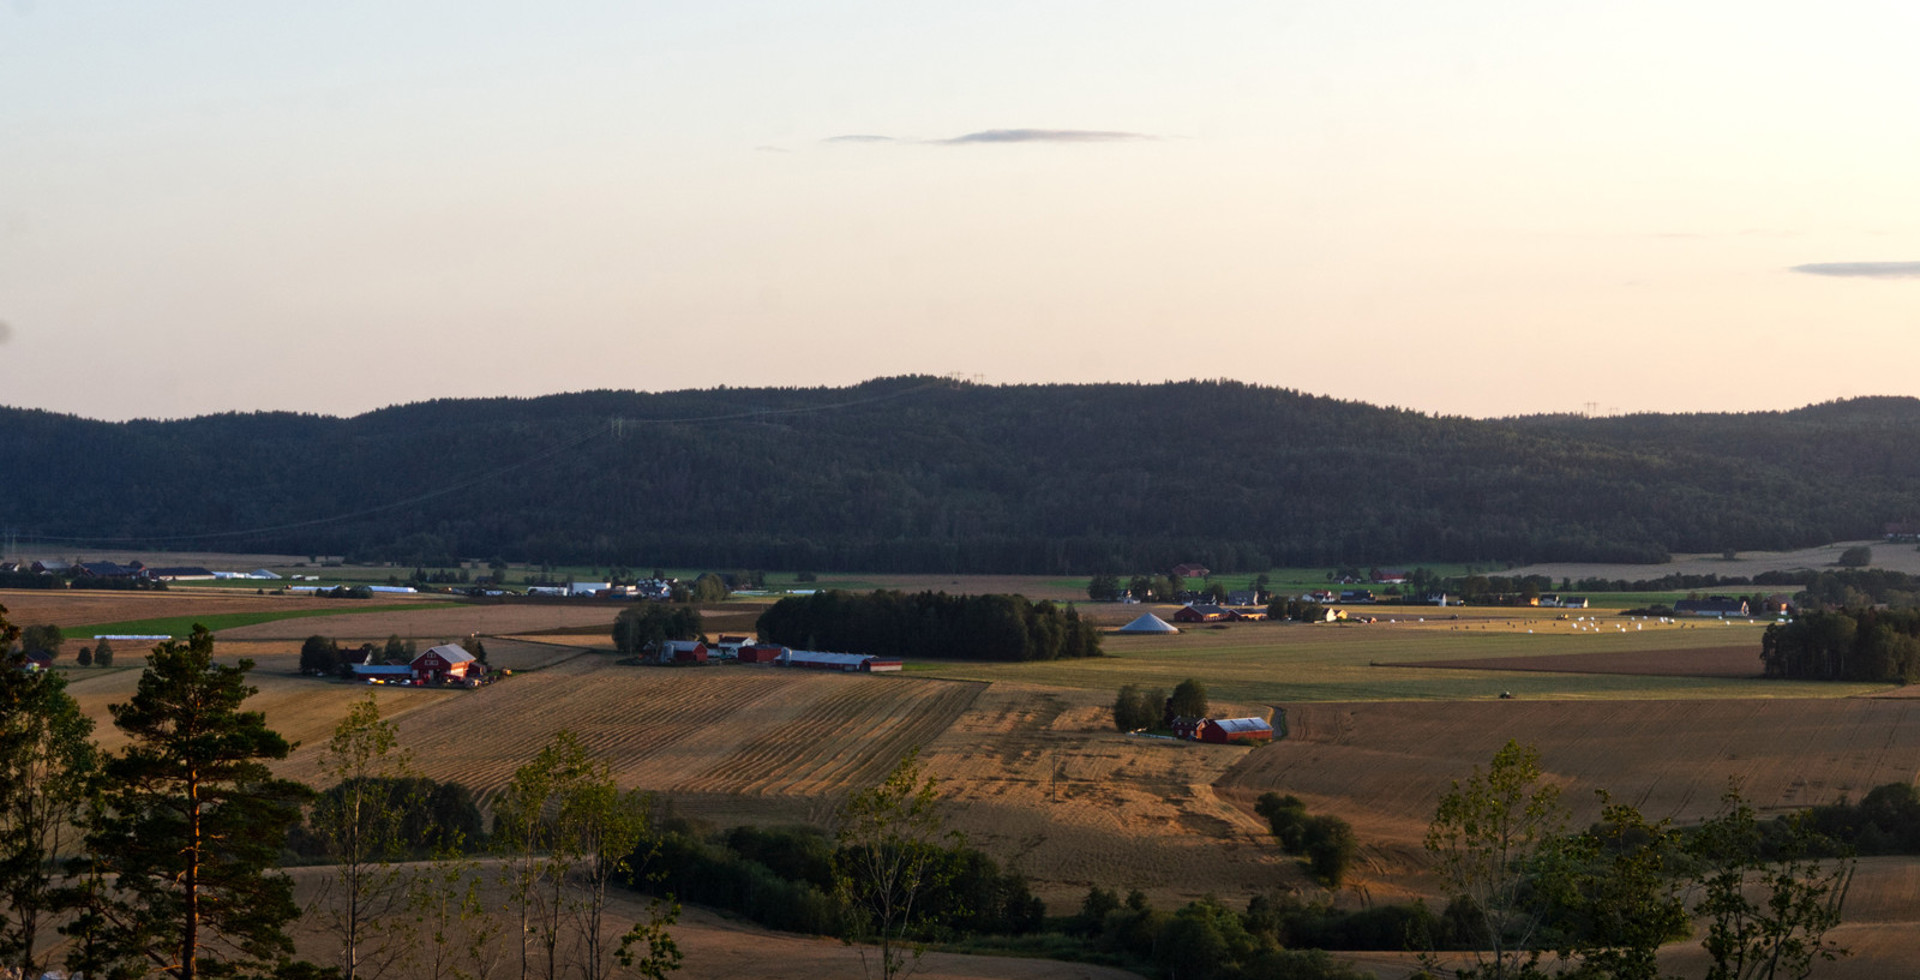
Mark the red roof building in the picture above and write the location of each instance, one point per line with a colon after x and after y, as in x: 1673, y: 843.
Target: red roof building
x: 1202, y: 614
x: 1225, y: 730
x: 682, y: 652
x: 445, y: 664
x: 761, y: 653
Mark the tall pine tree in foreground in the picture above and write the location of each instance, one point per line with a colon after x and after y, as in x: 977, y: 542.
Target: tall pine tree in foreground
x: 191, y: 829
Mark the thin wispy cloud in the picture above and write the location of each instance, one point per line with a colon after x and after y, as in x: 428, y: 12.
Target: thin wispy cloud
x: 1862, y: 270
x: 1006, y: 136
x: 1046, y: 136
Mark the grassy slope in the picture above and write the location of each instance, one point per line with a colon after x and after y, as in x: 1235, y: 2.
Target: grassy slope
x: 181, y: 625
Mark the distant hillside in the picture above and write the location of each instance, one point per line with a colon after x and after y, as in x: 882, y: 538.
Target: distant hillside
x: 923, y: 474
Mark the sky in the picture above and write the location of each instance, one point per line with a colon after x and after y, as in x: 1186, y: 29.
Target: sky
x: 1470, y: 208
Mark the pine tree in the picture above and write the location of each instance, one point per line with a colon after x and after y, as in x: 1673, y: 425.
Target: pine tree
x: 193, y: 824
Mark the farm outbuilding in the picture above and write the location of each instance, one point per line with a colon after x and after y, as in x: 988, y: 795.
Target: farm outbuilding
x: 1202, y: 613
x: 681, y: 652
x: 761, y: 653
x: 1149, y: 623
x: 446, y: 663
x: 1225, y: 730
x: 815, y: 660
x: 383, y: 673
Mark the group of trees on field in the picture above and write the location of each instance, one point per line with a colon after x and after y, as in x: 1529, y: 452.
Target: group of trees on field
x: 930, y: 625
x: 1326, y: 841
x: 1865, y: 644
x: 644, y: 626
x: 1136, y: 708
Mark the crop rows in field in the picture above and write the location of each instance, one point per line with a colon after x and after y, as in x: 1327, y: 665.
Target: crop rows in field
x: 850, y: 737
x: 715, y: 730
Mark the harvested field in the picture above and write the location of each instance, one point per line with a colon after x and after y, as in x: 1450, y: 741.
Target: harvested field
x: 1126, y: 811
x: 1270, y: 663
x: 1384, y: 765
x: 702, y: 735
x: 76, y: 607
x: 1730, y: 661
x: 302, y: 709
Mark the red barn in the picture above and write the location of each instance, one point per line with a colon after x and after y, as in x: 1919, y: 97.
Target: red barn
x: 683, y: 652
x: 761, y: 653
x: 446, y: 663
x: 1202, y: 614
x: 1224, y: 730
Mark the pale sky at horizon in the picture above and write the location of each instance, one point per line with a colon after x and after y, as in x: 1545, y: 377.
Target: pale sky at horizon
x: 1471, y: 208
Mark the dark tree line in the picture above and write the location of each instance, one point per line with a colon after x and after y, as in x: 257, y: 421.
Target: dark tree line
x: 1845, y: 645
x: 930, y: 625
x: 918, y: 474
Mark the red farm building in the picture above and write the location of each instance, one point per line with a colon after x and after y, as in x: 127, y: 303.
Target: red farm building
x: 761, y: 653
x: 682, y: 652
x: 1202, y: 613
x: 447, y: 663
x: 1224, y: 730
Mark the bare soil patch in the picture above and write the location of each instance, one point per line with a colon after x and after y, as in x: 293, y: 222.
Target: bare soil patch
x: 1729, y: 661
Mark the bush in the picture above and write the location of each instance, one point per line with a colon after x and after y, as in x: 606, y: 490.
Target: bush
x: 1858, y: 556
x: 319, y: 657
x: 1189, y: 699
x: 1330, y: 847
x: 1135, y: 709
x: 1286, y: 819
x: 42, y: 639
x: 103, y: 654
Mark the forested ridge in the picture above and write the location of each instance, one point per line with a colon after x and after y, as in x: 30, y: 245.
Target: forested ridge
x: 925, y: 474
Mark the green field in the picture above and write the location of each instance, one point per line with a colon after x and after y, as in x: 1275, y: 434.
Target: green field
x: 182, y: 625
x: 1262, y: 663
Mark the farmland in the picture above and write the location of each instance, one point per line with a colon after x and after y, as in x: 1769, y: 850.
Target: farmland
x: 1381, y: 716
